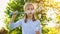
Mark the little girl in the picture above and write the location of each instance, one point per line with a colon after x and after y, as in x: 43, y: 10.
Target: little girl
x: 29, y: 24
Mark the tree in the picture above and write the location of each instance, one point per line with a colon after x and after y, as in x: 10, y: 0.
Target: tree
x: 14, y: 5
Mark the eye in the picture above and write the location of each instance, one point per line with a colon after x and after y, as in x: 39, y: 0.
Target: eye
x: 28, y: 9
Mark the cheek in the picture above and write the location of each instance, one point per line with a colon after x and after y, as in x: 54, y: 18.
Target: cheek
x: 26, y: 12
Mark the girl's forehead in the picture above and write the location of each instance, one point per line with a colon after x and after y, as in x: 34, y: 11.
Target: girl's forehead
x: 29, y: 6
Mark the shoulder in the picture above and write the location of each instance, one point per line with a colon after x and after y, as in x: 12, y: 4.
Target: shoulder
x: 37, y: 20
x: 21, y: 19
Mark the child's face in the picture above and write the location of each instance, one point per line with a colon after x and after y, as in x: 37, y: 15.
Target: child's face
x: 29, y: 9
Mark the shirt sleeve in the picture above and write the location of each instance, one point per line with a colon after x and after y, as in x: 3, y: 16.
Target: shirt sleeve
x: 14, y: 25
x: 38, y: 26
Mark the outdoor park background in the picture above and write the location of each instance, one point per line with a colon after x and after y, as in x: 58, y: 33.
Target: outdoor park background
x: 48, y: 12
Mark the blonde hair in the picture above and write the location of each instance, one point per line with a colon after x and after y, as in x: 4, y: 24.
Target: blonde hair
x: 33, y: 18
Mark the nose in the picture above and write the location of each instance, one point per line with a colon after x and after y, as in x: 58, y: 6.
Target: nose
x: 30, y: 13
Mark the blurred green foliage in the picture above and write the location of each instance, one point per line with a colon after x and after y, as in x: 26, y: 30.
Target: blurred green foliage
x: 14, y: 5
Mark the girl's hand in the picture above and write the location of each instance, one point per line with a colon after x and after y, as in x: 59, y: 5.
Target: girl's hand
x: 13, y: 16
x: 37, y: 32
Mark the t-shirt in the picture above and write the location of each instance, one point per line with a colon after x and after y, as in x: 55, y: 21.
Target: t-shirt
x: 30, y: 27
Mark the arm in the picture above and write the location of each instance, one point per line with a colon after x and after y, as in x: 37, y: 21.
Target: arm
x: 13, y: 25
x: 38, y: 27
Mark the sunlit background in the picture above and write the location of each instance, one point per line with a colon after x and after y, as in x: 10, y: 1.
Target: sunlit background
x: 56, y: 0
x: 51, y: 13
x: 3, y: 4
